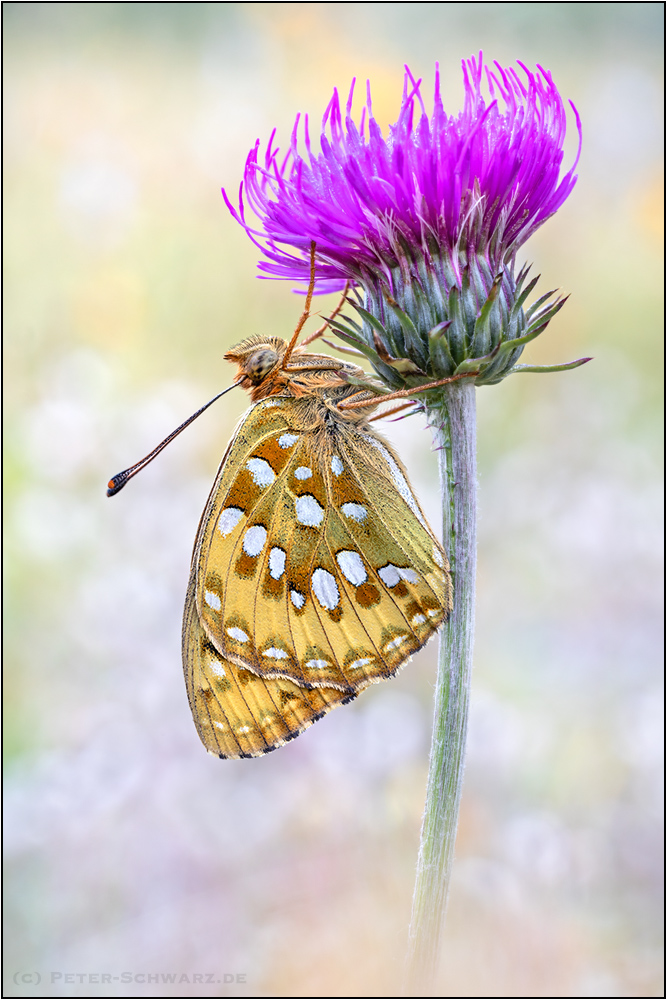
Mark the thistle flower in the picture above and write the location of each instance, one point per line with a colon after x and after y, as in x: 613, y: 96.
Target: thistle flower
x: 426, y: 222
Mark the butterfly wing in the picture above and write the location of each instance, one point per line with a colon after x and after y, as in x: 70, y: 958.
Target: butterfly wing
x: 237, y: 713
x: 314, y: 562
x: 392, y: 569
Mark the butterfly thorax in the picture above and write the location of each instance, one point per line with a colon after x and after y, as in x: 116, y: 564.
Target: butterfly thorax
x: 261, y: 373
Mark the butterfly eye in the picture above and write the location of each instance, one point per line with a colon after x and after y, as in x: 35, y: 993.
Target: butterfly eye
x: 260, y: 364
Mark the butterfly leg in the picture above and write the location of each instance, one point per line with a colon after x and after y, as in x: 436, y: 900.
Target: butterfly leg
x: 360, y: 399
x: 389, y: 413
x: 325, y: 325
x: 350, y: 404
x: 343, y: 350
x: 306, y: 312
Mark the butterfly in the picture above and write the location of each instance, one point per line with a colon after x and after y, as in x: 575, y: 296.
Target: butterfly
x: 314, y: 572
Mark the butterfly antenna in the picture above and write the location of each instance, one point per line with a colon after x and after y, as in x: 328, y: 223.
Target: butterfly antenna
x: 117, y: 482
x: 306, y: 312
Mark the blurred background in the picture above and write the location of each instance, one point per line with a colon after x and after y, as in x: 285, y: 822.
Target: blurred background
x: 130, y: 850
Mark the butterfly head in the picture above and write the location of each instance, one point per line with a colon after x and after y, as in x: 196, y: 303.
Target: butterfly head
x: 259, y: 360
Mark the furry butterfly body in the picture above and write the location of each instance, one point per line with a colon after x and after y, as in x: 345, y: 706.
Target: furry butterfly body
x: 314, y: 571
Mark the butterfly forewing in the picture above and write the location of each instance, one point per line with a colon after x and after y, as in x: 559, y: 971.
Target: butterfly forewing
x: 314, y: 562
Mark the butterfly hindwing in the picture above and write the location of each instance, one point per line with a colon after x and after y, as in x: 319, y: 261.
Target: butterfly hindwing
x: 237, y: 713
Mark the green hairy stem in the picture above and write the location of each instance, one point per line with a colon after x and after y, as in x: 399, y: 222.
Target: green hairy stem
x: 455, y: 427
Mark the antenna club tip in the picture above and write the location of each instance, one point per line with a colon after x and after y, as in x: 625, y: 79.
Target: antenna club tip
x: 115, y: 484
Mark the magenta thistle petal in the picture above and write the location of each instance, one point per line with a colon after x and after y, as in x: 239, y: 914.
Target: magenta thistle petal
x: 478, y: 182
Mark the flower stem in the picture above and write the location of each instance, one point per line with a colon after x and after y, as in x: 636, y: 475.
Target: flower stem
x: 454, y: 423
